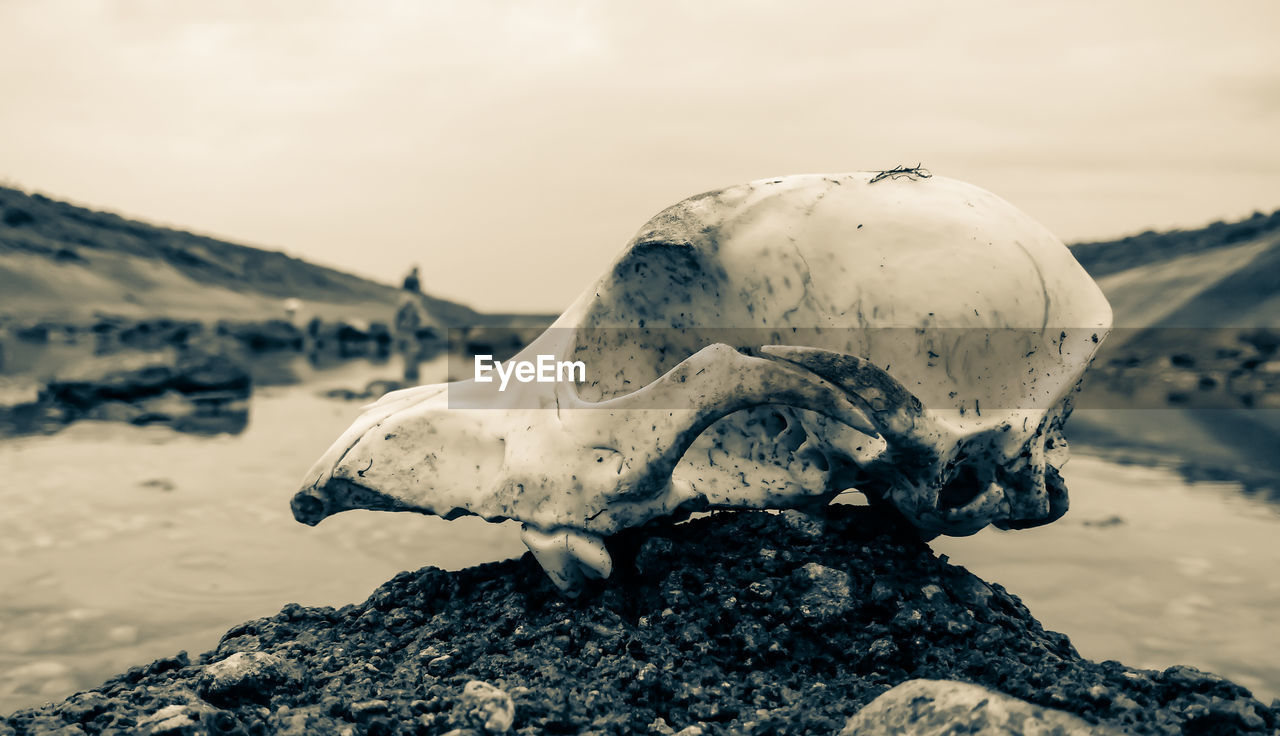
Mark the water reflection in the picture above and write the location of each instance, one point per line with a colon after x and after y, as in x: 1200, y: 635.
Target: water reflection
x: 190, y: 415
x: 1150, y: 570
x: 190, y: 391
x: 1229, y: 445
x: 121, y: 543
x: 156, y: 374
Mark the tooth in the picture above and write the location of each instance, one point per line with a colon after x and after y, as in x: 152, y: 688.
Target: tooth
x: 568, y: 557
x: 591, y: 555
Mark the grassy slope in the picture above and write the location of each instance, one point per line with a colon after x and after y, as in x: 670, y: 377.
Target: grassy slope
x: 1110, y: 256
x: 1224, y: 276
x: 59, y: 261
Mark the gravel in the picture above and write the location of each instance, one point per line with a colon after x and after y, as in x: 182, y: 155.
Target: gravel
x: 744, y: 622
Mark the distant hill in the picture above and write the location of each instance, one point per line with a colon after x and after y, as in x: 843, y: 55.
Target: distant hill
x: 1188, y: 379
x: 1105, y: 257
x: 1223, y: 275
x: 64, y: 262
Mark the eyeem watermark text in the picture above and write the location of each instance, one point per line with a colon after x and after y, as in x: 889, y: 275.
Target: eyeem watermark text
x: 545, y: 369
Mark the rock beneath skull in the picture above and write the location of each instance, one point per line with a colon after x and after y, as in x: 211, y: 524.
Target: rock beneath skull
x: 485, y: 708
x: 735, y: 656
x: 83, y: 706
x: 941, y: 707
x: 245, y: 676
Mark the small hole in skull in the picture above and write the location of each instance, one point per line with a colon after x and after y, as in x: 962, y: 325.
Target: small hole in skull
x: 963, y: 487
x: 774, y: 423
x: 817, y: 459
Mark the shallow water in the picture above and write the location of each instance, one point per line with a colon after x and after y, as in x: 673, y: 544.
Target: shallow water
x: 121, y: 544
x: 1150, y: 570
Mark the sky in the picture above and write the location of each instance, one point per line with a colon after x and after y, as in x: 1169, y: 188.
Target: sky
x: 512, y: 148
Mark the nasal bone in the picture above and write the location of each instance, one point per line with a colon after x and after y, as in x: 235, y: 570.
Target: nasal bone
x: 309, y: 507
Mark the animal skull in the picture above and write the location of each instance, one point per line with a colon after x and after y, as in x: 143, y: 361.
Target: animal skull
x: 768, y: 345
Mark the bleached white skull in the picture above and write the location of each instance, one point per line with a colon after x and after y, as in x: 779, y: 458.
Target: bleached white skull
x: 768, y: 345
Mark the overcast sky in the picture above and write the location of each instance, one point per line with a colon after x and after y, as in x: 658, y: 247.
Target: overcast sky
x: 512, y: 148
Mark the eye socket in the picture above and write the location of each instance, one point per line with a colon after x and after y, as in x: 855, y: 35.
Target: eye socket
x: 964, y: 486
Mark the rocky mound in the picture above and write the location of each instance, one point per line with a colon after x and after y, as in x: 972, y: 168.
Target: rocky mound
x: 736, y: 623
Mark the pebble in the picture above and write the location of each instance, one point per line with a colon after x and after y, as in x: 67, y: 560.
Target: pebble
x: 251, y: 676
x: 654, y: 556
x: 950, y: 706
x: 804, y: 524
x: 829, y: 595
x: 440, y: 665
x: 183, y: 719
x: 485, y: 708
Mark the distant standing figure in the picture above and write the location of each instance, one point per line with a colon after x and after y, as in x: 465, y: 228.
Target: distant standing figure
x: 411, y: 282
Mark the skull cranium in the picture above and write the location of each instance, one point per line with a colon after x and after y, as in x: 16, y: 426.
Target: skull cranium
x: 767, y: 345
